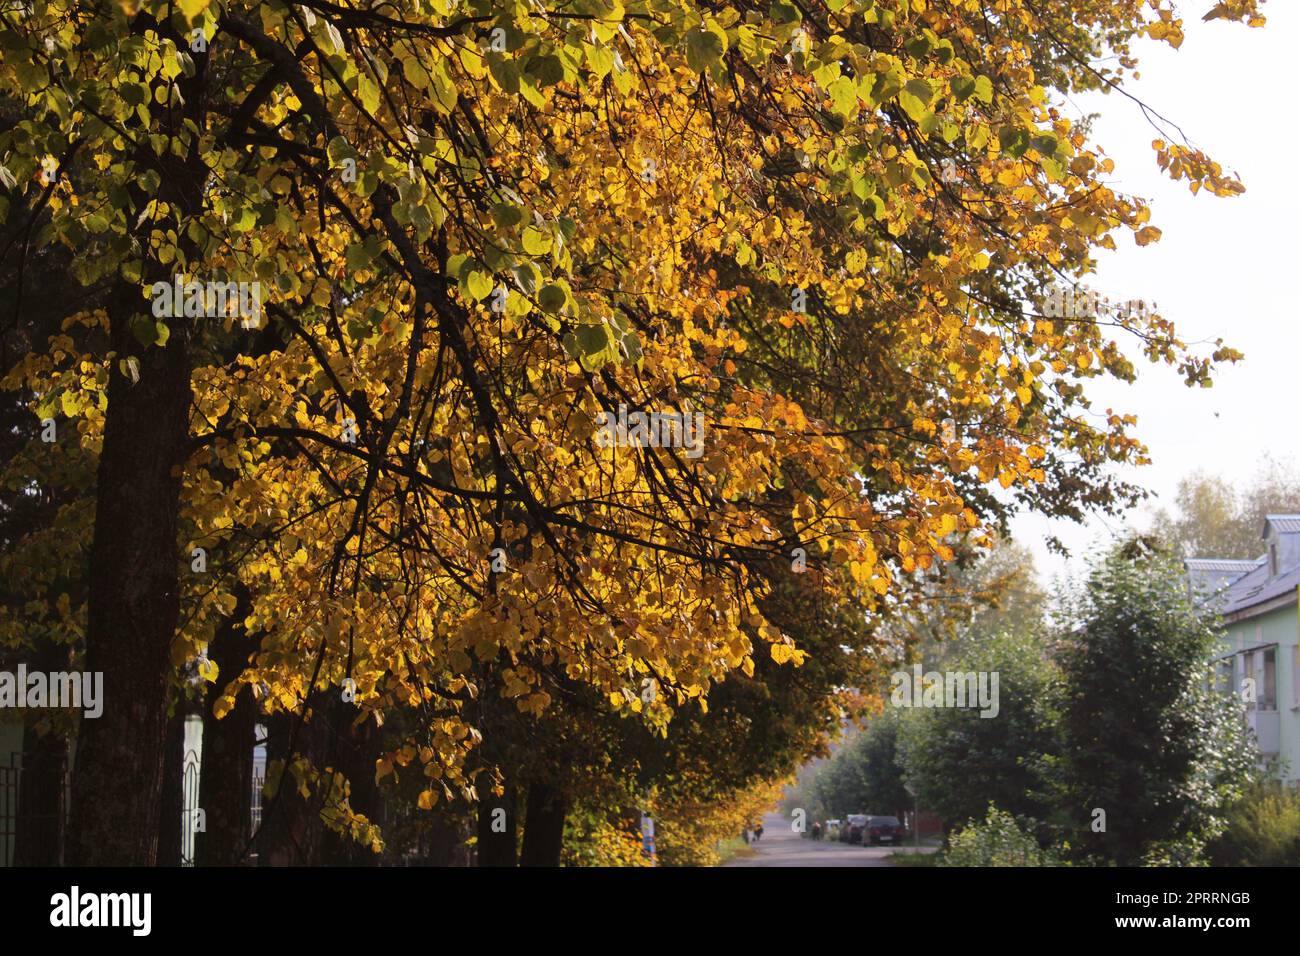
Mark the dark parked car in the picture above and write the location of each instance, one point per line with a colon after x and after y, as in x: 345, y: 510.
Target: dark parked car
x: 879, y: 830
x: 854, y: 828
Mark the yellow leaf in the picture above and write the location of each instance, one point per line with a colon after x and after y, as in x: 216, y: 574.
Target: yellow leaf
x: 192, y: 8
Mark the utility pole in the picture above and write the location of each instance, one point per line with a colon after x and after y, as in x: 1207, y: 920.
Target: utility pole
x: 916, y: 816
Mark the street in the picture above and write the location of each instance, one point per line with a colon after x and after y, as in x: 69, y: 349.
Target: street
x: 782, y: 847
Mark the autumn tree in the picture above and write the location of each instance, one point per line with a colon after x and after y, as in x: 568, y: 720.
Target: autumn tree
x: 466, y: 235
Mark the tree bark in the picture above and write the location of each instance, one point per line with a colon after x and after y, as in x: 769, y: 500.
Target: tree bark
x: 544, y: 826
x: 170, y: 819
x: 445, y: 843
x: 360, y: 747
x: 226, y: 784
x: 292, y: 833
x: 134, y: 600
x: 497, y: 848
x: 41, y: 798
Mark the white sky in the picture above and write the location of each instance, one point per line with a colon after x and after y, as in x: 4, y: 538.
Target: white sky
x: 1225, y: 267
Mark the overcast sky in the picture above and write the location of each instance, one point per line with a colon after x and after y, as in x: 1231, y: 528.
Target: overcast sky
x: 1225, y: 267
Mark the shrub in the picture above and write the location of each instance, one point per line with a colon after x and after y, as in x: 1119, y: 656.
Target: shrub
x: 997, y: 840
x: 1262, y: 830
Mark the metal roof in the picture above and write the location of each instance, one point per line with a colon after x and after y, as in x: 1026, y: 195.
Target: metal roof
x: 1256, y: 588
x: 1221, y: 564
x: 1285, y: 524
x: 1247, y: 584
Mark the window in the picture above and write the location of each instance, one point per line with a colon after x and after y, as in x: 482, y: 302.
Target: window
x: 1268, y: 686
x: 1295, y: 677
x: 1261, y: 667
x: 1272, y: 560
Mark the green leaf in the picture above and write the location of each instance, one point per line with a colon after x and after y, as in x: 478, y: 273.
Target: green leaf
x: 962, y: 87
x: 415, y: 74
x: 1046, y: 143
x: 703, y: 49
x: 444, y: 90
x: 456, y: 264
x: 358, y: 257
x: 886, y: 86
x: 546, y: 70
x: 600, y: 59
x: 844, y: 96
x: 536, y: 242
x: 1013, y: 140
x: 527, y: 275
x: 914, y: 98
x: 192, y: 8
x: 783, y: 12
x: 477, y: 284
x: 592, y: 339
x: 552, y: 297
x: 506, y: 215
x: 529, y: 90
x: 918, y: 46
x: 505, y: 72
x: 631, y: 346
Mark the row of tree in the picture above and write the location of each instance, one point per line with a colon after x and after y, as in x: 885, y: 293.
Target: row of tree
x: 373, y: 514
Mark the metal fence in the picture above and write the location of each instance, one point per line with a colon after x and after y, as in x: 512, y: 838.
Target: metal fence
x: 191, y: 814
x: 189, y: 807
x: 15, y: 818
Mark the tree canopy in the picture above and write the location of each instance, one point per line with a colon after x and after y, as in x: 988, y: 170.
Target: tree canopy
x: 461, y: 232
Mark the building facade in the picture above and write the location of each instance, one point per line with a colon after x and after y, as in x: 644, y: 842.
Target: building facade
x: 1259, y: 655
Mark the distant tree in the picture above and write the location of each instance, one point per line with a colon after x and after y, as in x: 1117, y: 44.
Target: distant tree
x: 959, y: 761
x: 865, y: 775
x: 984, y: 591
x: 1274, y: 490
x: 1212, y: 519
x: 882, y: 770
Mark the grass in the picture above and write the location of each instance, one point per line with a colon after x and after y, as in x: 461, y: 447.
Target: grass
x: 912, y: 858
x: 734, y: 848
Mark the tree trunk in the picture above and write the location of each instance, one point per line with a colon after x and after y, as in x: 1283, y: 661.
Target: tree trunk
x: 292, y: 833
x: 497, y: 847
x: 41, y: 798
x: 226, y: 784
x: 43, y: 767
x: 445, y: 841
x: 134, y: 599
x: 360, y: 748
x: 170, y: 819
x: 544, y: 826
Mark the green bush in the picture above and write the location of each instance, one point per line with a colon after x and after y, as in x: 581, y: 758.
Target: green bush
x: 997, y: 840
x: 1263, y: 829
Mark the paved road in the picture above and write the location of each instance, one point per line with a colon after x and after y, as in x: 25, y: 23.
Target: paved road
x: 782, y: 847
